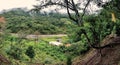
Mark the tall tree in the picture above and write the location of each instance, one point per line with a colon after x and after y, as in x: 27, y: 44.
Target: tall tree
x: 94, y: 29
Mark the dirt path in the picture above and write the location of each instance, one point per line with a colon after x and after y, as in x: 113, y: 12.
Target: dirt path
x: 31, y: 36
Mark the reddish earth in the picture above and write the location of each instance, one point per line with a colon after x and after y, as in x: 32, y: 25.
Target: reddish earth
x: 2, y: 19
x: 110, y: 55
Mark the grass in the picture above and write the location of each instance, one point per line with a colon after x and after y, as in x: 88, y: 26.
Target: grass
x: 48, y: 39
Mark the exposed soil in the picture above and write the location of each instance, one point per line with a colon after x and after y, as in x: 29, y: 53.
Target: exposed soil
x: 4, y: 61
x: 110, y: 54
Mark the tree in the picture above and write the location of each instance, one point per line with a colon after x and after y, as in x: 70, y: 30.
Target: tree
x: 36, y: 33
x: 69, y: 62
x: 113, y: 7
x: 30, y: 52
x: 95, y: 36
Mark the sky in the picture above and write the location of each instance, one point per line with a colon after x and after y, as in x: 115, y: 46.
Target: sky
x: 8, y: 4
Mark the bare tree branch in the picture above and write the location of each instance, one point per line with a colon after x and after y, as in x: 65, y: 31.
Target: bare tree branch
x: 84, y: 10
x: 54, y: 3
x: 66, y: 1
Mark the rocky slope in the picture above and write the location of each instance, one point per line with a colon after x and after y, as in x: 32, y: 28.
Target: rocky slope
x: 110, y: 54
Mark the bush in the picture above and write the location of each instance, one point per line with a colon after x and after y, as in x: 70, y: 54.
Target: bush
x: 30, y: 52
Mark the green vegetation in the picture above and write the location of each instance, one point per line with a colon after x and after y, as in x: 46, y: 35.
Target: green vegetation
x: 23, y: 51
x: 27, y: 50
x: 20, y: 20
x: 30, y: 52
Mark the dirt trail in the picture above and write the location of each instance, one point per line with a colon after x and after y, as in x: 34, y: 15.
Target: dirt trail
x: 40, y: 36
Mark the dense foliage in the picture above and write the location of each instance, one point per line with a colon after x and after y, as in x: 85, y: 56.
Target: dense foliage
x: 18, y: 19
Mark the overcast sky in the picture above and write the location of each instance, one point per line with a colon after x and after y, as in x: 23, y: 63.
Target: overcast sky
x: 8, y: 4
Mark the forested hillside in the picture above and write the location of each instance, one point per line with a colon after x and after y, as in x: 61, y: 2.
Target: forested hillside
x: 44, y: 23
